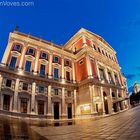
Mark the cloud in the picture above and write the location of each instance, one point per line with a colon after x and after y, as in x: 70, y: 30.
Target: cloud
x: 130, y: 76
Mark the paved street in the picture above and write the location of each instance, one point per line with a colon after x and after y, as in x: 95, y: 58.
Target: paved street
x: 125, y: 125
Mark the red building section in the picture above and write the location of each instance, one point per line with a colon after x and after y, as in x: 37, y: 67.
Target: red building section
x: 81, y: 69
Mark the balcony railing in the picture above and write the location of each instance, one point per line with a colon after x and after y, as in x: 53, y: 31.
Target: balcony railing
x: 46, y: 76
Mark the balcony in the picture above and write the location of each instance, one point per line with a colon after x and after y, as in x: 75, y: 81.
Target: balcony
x: 35, y: 75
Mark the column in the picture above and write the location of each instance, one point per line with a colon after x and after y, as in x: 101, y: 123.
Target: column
x: 36, y: 61
x: 98, y: 71
x: 110, y: 90
x: 49, y: 102
x: 102, y: 98
x: 122, y: 102
x: 94, y: 96
x: 118, y: 106
x: 50, y: 66
x: 84, y: 39
x: 7, y: 51
x: 91, y: 98
x: 11, y: 102
x: 33, y: 98
x: 73, y: 72
x: 2, y: 96
x: 45, y: 107
x: 89, y: 67
x: 22, y: 57
x: 106, y: 75
x: 15, y: 107
x: 75, y: 103
x: 1, y: 78
x: 63, y: 103
x: 119, y: 79
x: 63, y: 74
x: 112, y: 73
x: 28, y: 107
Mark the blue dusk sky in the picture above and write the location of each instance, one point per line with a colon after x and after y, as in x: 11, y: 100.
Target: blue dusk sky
x: 118, y: 22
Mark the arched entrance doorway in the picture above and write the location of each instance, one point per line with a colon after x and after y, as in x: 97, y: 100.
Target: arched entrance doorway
x: 105, y: 103
x: 56, y: 110
x: 69, y: 111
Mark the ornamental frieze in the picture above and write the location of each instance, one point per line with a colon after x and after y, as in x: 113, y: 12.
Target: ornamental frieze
x: 7, y: 91
x: 69, y: 100
x: 56, y: 99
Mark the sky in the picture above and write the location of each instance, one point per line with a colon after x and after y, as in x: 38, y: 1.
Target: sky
x: 118, y: 22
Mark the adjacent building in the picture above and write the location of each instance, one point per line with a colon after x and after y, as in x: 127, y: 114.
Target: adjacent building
x: 136, y: 87
x: 80, y: 79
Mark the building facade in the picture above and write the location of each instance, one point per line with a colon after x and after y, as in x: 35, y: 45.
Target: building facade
x: 80, y: 79
x: 136, y: 87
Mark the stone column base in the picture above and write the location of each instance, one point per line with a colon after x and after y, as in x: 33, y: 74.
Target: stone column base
x: 64, y: 116
x: 50, y: 116
x: 50, y: 76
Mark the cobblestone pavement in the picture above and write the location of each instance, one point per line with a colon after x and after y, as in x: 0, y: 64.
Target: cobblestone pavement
x: 125, y: 125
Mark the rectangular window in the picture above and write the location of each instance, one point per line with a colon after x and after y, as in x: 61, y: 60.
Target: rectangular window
x: 13, y: 62
x: 23, y: 105
x: 41, y: 89
x: 17, y: 47
x: 28, y: 66
x: 8, y: 83
x: 69, y: 93
x: 43, y: 55
x: 56, y: 59
x: 25, y: 86
x: 56, y: 73
x: 30, y: 51
x: 40, y: 107
x: 42, y: 70
x: 110, y: 78
x: 68, y: 75
x: 55, y: 91
x: 116, y: 79
x: 102, y: 74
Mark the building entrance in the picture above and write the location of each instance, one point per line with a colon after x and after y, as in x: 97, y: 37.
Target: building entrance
x: 40, y: 107
x: 69, y: 111
x: 105, y: 103
x: 115, y: 107
x: 56, y: 110
x: 6, y: 102
x: 23, y: 105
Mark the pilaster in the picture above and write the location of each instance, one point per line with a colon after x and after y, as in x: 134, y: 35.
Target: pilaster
x: 7, y: 51
x: 50, y: 66
x: 75, y: 103
x: 49, y: 114
x: 89, y: 67
x: 63, y: 104
x: 33, y: 98
x: 15, y: 107
x: 36, y: 61
x: 102, y: 98
x: 63, y: 68
x: 91, y: 98
x: 22, y: 56
x: 106, y: 74
x: 73, y: 72
x: 98, y: 71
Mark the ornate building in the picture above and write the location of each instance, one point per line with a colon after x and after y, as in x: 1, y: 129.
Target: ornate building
x: 42, y: 79
x: 136, y: 87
